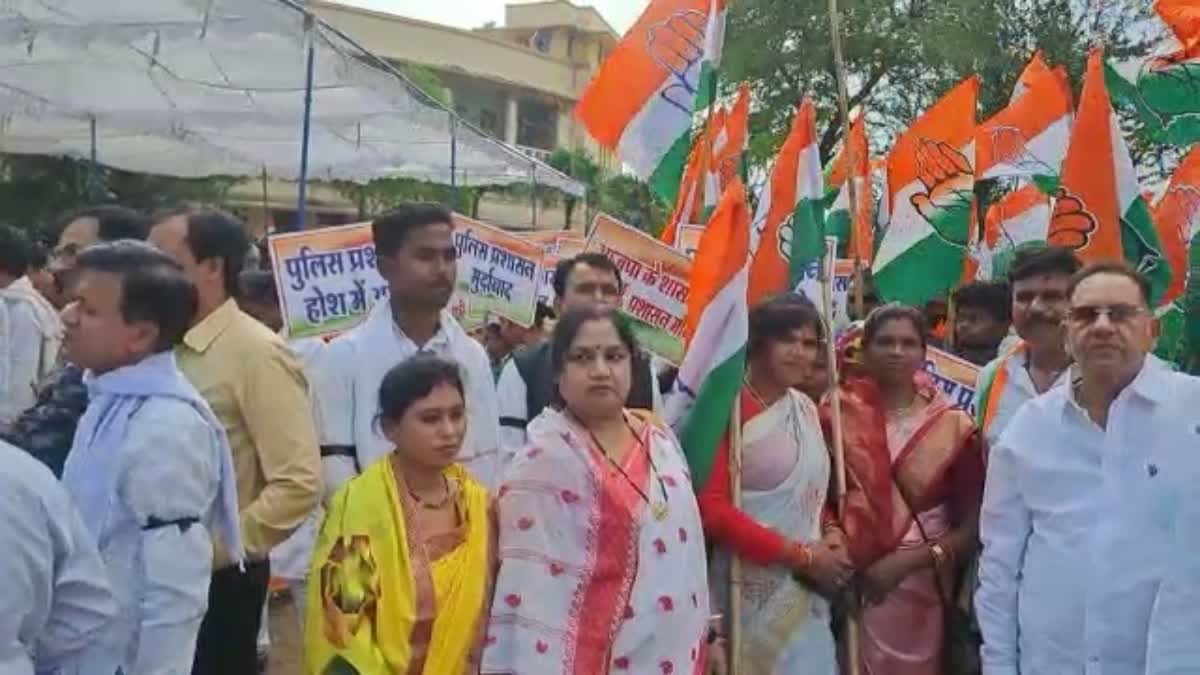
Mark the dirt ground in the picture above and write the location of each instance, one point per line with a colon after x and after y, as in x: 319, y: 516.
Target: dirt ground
x: 287, y: 655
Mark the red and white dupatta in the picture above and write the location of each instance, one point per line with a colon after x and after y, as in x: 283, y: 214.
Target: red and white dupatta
x: 590, y: 581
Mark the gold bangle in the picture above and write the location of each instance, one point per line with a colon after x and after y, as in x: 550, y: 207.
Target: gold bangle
x: 940, y: 555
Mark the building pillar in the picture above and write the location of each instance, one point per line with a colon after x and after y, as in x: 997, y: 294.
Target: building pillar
x: 565, y: 128
x: 511, y: 112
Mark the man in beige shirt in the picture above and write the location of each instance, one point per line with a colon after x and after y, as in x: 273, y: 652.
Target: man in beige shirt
x: 256, y: 387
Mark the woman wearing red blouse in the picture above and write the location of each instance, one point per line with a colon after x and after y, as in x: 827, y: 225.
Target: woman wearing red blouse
x: 793, y: 554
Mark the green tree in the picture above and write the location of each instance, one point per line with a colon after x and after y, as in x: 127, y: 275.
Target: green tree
x: 630, y: 200
x: 901, y: 55
x: 577, y: 164
x: 36, y: 190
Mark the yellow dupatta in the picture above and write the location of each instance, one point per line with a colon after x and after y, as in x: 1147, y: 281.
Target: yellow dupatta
x: 376, y: 604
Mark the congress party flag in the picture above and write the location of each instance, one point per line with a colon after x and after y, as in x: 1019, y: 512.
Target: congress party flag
x: 787, y: 232
x: 1028, y: 139
x: 1019, y: 218
x: 1099, y: 211
x: 641, y: 103
x: 853, y: 160
x: 930, y: 186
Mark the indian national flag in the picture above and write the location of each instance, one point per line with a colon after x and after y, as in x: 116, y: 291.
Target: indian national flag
x: 787, y: 232
x: 1177, y: 218
x: 930, y: 185
x: 1099, y: 210
x: 716, y: 330
x: 1018, y: 218
x: 641, y: 103
x: 1028, y: 139
x: 853, y: 160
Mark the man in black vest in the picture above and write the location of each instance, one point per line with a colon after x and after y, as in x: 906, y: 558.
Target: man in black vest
x: 526, y: 383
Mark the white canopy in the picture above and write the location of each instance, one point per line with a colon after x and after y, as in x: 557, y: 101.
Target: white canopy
x: 216, y: 87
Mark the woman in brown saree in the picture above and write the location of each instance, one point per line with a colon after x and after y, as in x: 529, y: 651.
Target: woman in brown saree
x: 915, y: 473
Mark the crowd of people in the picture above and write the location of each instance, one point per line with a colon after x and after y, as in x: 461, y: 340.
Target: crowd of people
x: 512, y: 500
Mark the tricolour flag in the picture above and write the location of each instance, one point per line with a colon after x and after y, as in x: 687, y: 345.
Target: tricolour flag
x: 787, y: 232
x: 1164, y: 89
x: 690, y: 203
x: 930, y: 181
x: 1099, y: 210
x: 641, y: 102
x: 716, y: 330
x: 1018, y: 218
x: 729, y: 142
x: 853, y: 160
x: 1028, y: 139
x: 1177, y: 217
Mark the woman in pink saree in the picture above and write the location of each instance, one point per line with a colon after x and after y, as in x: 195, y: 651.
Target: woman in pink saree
x: 908, y: 451
x: 601, y: 549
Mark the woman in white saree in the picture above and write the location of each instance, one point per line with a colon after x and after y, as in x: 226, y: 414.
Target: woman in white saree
x: 791, y: 548
x: 601, y: 550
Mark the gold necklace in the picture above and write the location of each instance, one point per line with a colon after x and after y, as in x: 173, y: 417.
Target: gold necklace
x: 433, y: 506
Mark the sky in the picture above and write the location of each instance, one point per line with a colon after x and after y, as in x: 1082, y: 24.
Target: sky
x: 474, y: 13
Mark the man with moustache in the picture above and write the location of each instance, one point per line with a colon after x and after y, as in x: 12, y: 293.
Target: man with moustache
x: 1082, y: 511
x: 1038, y: 279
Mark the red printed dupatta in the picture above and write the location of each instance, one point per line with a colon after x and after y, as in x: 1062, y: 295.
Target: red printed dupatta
x: 942, y: 460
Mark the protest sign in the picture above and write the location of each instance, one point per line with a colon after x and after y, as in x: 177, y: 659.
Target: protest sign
x: 498, y: 272
x: 328, y: 281
x: 956, y: 377
x: 809, y: 285
x: 556, y: 246
x: 326, y: 278
x: 687, y: 239
x: 655, y: 277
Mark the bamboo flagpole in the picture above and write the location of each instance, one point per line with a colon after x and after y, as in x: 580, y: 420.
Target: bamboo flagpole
x: 839, y: 63
x: 735, y: 561
x: 851, y: 665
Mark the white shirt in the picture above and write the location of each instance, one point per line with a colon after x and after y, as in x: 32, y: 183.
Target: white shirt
x: 1077, y: 527
x: 347, y: 378
x: 1017, y: 391
x: 30, y: 337
x: 1174, y: 642
x: 169, y: 469
x: 54, y: 597
x: 511, y: 391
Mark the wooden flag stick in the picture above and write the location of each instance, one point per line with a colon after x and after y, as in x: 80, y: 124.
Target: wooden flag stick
x: 839, y: 63
x: 851, y: 666
x: 735, y: 561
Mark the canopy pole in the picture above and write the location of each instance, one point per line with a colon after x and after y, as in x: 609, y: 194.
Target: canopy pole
x: 93, y: 163
x: 533, y: 204
x: 266, y: 203
x: 453, y: 158
x: 302, y: 199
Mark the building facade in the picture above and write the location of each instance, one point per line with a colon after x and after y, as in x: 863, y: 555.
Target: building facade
x: 518, y: 82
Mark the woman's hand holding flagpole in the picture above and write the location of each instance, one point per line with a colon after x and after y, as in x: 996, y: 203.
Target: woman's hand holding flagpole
x: 851, y: 665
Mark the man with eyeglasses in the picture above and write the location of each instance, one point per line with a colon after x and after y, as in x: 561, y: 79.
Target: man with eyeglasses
x: 1038, y: 279
x: 1080, y: 511
x: 47, y: 429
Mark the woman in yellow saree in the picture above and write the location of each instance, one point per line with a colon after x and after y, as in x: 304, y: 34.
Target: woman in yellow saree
x: 402, y: 569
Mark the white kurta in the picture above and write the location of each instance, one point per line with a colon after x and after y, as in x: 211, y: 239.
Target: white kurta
x: 351, y: 368
x: 55, y: 597
x: 30, y: 336
x: 1079, y: 530
x: 169, y: 468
